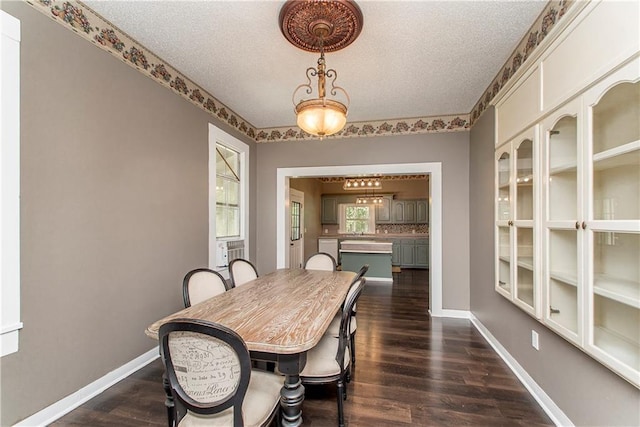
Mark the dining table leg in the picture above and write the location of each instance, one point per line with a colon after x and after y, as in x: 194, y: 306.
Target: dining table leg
x: 292, y: 392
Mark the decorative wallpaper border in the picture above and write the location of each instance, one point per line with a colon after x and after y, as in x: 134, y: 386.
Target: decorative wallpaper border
x: 378, y: 128
x: 549, y: 17
x: 80, y: 19
x: 340, y: 179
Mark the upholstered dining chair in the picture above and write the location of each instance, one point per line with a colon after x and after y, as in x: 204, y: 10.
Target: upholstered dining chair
x: 242, y: 271
x: 210, y: 377
x: 201, y: 284
x: 329, y: 361
x: 334, y: 327
x: 320, y: 261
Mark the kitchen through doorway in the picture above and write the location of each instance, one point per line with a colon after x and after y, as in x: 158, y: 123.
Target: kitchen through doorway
x: 433, y: 169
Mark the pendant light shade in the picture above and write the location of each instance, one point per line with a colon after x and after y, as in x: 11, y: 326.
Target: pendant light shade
x: 321, y: 117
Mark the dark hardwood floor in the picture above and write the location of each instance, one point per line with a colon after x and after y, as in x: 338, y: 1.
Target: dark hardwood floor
x: 410, y: 370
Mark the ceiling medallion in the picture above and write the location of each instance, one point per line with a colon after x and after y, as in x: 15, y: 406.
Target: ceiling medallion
x: 337, y: 22
x: 320, y: 26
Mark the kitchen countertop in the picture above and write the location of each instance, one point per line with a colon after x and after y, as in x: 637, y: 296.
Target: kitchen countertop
x: 379, y: 236
x: 366, y: 246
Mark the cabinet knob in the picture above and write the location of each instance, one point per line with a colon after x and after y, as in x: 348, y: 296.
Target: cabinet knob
x: 510, y: 223
x: 577, y: 225
x: 584, y: 225
x: 553, y: 310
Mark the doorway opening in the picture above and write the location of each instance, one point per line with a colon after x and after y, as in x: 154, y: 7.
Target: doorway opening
x: 433, y: 169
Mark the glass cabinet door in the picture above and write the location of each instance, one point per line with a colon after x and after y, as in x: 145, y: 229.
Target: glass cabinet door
x: 504, y: 187
x: 515, y: 212
x: 614, y: 225
x: 503, y: 221
x: 562, y: 238
x: 562, y: 149
x: 524, y: 180
x: 504, y: 259
x: 524, y: 209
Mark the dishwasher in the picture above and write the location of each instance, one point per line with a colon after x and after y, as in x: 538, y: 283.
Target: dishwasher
x: 329, y: 246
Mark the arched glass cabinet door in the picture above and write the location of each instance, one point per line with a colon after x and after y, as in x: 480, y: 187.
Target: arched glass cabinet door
x: 562, y: 277
x: 613, y: 226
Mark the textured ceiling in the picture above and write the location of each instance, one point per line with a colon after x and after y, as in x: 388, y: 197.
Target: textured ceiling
x: 412, y: 59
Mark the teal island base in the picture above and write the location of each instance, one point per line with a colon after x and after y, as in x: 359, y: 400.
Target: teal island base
x: 379, y: 264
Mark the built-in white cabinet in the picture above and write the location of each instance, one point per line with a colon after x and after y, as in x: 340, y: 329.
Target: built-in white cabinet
x: 612, y: 222
x: 592, y: 221
x: 516, y: 186
x: 567, y: 215
x: 568, y: 246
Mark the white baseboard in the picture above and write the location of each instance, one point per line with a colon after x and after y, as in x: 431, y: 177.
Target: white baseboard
x: 553, y: 411
x: 71, y: 402
x: 457, y: 314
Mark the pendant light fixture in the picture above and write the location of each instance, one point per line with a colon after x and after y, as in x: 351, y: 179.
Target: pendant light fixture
x: 320, y: 26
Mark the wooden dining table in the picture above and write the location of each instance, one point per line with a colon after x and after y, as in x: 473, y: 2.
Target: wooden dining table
x: 280, y: 316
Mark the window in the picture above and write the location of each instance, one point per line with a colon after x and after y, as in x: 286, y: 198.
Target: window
x: 228, y: 196
x: 357, y: 219
x: 227, y: 192
x: 295, y: 221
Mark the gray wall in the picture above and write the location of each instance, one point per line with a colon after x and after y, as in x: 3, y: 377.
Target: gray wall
x: 113, y: 212
x: 452, y: 149
x: 588, y: 393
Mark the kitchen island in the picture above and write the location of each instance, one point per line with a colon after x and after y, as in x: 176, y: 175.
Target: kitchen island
x: 376, y: 253
x: 409, y: 250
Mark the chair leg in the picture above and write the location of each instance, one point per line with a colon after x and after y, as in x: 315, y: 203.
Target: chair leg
x: 352, y: 338
x: 341, y: 394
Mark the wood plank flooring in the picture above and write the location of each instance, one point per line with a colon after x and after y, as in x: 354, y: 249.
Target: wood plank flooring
x: 411, y: 370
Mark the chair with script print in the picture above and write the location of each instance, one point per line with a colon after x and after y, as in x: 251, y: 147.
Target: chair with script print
x: 242, y: 271
x: 201, y: 284
x: 330, y: 360
x: 320, y: 261
x: 210, y: 377
x: 334, y: 327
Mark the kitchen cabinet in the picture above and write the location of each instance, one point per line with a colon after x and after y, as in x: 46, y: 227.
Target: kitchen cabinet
x: 421, y: 253
x: 383, y: 211
x: 407, y: 253
x: 516, y: 277
x: 422, y: 211
x: 396, y: 253
x: 397, y: 211
x: 329, y: 210
x: 413, y: 253
x: 409, y: 212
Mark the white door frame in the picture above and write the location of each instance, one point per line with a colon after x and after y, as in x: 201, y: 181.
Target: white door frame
x: 295, y: 195
x: 434, y: 169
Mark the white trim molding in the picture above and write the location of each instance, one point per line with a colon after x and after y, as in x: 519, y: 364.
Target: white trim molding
x: 9, y: 184
x: 552, y: 410
x: 454, y: 314
x: 60, y: 408
x: 434, y: 169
